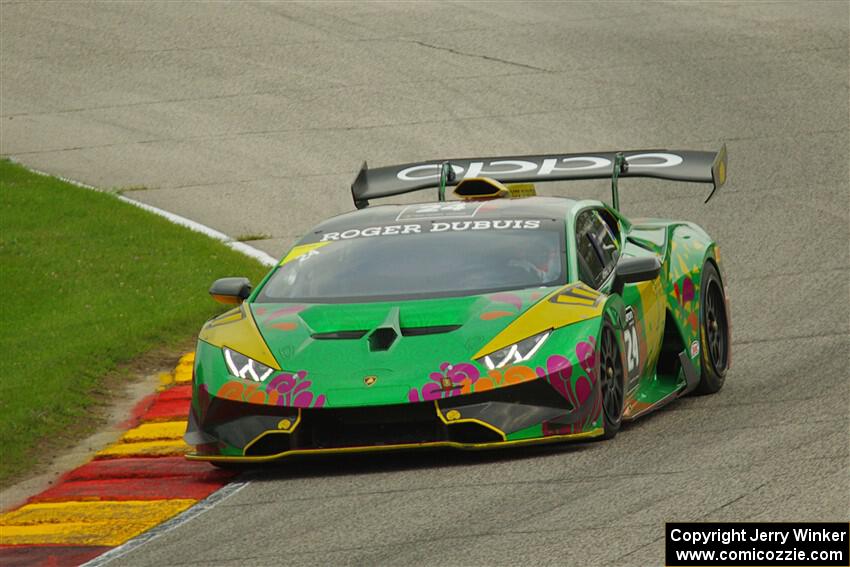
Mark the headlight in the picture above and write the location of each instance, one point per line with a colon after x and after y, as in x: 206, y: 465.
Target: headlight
x: 241, y: 366
x: 518, y: 352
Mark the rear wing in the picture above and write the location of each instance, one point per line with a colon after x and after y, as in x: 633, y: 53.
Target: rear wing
x: 674, y: 165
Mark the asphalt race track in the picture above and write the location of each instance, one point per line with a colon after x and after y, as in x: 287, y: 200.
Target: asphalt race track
x: 254, y: 119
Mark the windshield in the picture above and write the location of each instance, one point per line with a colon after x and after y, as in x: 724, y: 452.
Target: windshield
x: 422, y: 260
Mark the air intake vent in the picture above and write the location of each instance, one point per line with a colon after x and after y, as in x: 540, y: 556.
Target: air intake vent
x: 339, y: 335
x: 434, y: 330
x: 382, y: 339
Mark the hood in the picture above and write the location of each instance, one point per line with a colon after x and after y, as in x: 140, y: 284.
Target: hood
x: 382, y: 353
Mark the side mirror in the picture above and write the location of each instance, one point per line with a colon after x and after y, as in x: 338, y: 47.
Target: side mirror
x: 231, y: 291
x: 634, y: 270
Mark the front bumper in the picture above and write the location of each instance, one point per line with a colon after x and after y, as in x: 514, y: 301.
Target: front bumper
x: 532, y: 412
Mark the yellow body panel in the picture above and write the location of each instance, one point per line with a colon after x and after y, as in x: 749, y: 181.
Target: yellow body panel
x: 239, y: 332
x: 521, y: 190
x: 299, y: 251
x: 570, y: 304
x: 453, y: 417
x: 480, y: 188
x: 284, y: 427
x: 652, y: 300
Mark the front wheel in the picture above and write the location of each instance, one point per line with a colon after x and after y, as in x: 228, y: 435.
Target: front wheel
x: 714, y: 332
x: 611, y: 381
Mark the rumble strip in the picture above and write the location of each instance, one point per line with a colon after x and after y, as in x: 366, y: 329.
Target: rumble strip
x: 128, y: 488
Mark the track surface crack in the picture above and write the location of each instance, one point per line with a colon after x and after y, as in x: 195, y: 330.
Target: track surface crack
x: 478, y: 56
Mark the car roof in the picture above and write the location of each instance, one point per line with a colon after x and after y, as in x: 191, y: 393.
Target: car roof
x: 528, y: 207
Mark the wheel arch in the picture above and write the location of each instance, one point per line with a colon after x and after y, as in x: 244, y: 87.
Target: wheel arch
x: 690, y: 250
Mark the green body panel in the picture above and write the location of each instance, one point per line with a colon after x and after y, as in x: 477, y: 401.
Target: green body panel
x: 528, y: 433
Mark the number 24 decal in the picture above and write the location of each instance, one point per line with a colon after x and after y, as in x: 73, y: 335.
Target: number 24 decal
x: 439, y: 208
x: 630, y: 340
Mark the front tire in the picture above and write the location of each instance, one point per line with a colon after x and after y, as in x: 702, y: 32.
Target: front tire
x: 714, y: 332
x: 612, y: 381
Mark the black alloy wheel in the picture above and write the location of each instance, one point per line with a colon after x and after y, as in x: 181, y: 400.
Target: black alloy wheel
x: 715, y: 327
x: 714, y: 332
x: 611, y: 377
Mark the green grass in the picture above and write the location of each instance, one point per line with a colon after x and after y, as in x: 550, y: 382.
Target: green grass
x: 87, y: 283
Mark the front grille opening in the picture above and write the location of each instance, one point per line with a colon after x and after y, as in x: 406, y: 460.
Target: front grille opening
x: 222, y: 410
x: 432, y: 330
x: 272, y: 443
x: 382, y: 339
x: 471, y: 432
x: 385, y: 425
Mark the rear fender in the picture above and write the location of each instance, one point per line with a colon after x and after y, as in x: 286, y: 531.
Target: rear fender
x: 690, y: 249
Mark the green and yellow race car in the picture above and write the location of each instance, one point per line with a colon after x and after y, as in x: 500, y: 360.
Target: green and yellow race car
x: 495, y: 319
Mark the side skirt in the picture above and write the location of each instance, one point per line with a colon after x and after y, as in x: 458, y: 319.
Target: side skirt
x: 691, y: 382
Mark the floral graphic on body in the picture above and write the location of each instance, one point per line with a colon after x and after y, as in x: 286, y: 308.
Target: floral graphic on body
x: 461, y: 375
x: 577, y: 384
x: 285, y: 389
x: 559, y: 371
x: 242, y: 392
x: 293, y: 390
x: 499, y: 377
x: 586, y: 352
x: 684, y: 295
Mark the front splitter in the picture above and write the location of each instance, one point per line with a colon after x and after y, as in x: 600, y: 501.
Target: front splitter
x: 598, y: 432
